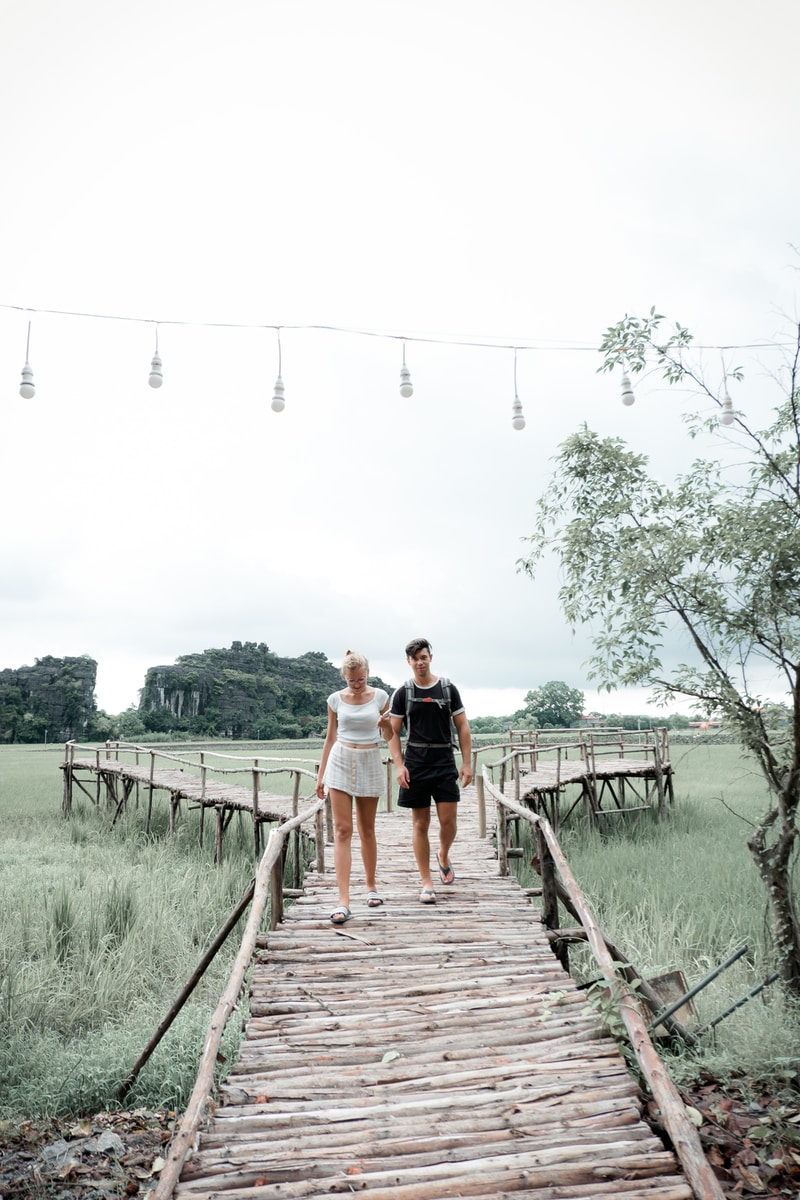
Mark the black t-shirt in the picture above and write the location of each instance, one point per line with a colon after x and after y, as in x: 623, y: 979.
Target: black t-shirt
x: 429, y: 723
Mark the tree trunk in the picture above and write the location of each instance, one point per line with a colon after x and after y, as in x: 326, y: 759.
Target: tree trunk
x: 774, y: 866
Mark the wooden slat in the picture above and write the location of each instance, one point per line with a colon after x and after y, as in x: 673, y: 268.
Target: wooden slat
x: 422, y: 1052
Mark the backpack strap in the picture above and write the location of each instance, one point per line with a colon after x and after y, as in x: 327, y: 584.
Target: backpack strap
x: 445, y: 703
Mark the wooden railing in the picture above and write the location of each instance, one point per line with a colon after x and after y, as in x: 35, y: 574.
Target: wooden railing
x: 268, y: 886
x: 683, y: 1133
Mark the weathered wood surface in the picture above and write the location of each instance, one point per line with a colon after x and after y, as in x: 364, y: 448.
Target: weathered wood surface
x: 422, y: 1052
x: 548, y: 773
x: 183, y: 785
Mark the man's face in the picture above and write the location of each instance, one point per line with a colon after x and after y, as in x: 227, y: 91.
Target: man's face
x: 421, y: 664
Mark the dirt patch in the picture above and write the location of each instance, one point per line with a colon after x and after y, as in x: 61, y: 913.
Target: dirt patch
x: 109, y: 1155
x: 751, y: 1138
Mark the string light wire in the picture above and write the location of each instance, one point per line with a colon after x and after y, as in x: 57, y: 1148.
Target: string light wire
x: 479, y: 341
x: 156, y: 378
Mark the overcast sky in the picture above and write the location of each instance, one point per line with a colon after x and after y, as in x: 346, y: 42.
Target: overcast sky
x: 465, y: 176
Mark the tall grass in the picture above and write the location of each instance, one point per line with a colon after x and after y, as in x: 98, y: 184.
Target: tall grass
x: 682, y: 894
x: 100, y: 928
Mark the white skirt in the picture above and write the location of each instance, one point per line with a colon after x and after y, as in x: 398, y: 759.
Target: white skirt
x: 356, y: 772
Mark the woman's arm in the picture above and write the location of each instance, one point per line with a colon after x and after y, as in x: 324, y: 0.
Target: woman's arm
x: 330, y: 738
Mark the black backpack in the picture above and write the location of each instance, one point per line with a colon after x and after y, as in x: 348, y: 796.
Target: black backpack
x: 412, y: 698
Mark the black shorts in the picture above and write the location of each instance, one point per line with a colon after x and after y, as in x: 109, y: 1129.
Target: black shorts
x: 440, y: 786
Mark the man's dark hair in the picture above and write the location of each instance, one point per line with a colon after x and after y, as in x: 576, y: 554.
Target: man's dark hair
x: 415, y: 645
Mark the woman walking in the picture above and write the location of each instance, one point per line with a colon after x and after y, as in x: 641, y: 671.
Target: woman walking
x: 350, y: 768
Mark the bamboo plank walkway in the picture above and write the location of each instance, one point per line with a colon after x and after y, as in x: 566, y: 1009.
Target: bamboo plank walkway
x: 422, y: 1052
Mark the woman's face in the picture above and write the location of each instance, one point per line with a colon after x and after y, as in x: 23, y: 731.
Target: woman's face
x: 356, y: 680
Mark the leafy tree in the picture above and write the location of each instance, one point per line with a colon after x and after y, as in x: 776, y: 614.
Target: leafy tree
x: 490, y: 724
x: 130, y: 725
x: 554, y: 704
x: 715, y: 554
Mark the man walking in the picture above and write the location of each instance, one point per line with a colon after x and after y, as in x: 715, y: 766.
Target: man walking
x: 427, y: 704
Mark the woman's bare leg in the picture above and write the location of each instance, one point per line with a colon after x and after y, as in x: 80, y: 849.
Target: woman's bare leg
x: 342, y: 810
x: 366, y: 808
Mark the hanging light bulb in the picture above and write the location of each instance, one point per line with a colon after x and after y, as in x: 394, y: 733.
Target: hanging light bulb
x: 727, y: 416
x: 627, y: 391
x: 517, y: 418
x: 278, y: 400
x: 26, y: 388
x: 406, y: 386
x: 155, y: 378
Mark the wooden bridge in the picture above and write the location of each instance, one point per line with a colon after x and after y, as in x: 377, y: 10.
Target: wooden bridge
x: 606, y: 772
x: 201, y: 779
x: 425, y: 1052
x: 609, y: 772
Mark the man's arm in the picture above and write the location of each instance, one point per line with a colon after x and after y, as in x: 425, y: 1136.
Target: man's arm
x: 465, y: 745
x: 401, y: 770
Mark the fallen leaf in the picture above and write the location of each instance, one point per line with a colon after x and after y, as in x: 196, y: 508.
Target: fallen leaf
x: 753, y: 1181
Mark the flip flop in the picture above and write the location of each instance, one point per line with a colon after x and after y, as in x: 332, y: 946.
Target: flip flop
x: 373, y: 900
x: 427, y: 896
x: 340, y: 915
x: 444, y: 872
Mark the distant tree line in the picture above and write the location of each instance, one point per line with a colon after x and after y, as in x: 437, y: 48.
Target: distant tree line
x: 555, y: 705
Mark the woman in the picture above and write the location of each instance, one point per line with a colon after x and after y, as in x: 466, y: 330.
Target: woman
x: 351, y: 767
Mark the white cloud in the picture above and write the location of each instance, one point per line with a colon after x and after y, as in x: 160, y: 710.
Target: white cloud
x: 520, y: 172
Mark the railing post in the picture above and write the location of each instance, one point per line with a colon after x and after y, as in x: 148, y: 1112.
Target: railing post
x: 150, y: 789
x: 389, y: 785
x: 481, y: 799
x: 502, y: 840
x: 256, y: 814
x: 201, y: 834
x: 69, y: 758
x: 547, y: 872
x: 319, y: 833
x: 276, y: 893
x: 659, y: 777
x: 296, y: 832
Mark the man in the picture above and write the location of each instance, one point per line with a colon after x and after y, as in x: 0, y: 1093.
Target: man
x: 427, y: 703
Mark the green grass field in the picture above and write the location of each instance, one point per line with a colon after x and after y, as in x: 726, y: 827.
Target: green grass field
x: 683, y: 894
x: 100, y: 928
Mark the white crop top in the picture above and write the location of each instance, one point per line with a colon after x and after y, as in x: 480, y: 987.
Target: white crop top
x: 358, y: 723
